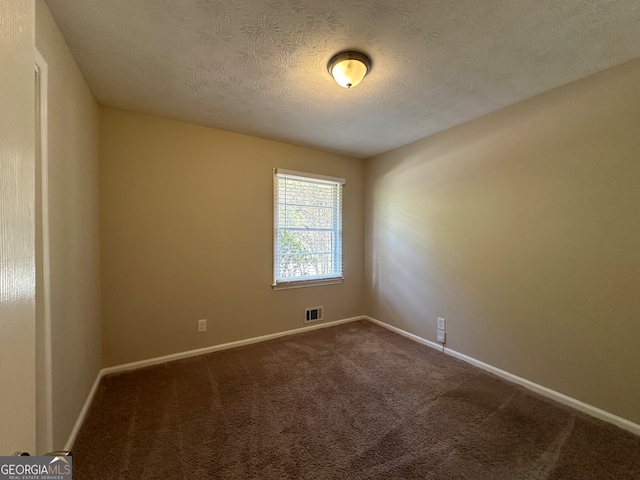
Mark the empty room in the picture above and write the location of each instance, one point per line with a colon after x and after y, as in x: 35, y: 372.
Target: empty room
x: 290, y: 239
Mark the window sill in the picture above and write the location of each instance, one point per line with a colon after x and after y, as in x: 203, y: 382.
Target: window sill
x: 307, y: 283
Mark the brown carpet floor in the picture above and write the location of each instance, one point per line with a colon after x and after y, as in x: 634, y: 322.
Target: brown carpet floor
x: 354, y: 401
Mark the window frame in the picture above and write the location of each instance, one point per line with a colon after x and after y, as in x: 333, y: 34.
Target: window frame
x: 282, y: 284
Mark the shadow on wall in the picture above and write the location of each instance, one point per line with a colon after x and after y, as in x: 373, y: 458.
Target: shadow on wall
x: 521, y: 228
x: 402, y: 249
x: 484, y: 221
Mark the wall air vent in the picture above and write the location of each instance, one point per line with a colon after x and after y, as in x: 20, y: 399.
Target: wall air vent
x: 313, y: 314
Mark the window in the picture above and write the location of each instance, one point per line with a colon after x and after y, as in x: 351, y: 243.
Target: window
x: 307, y: 229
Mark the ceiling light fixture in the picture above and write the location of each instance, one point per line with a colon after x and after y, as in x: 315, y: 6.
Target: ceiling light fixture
x: 349, y: 68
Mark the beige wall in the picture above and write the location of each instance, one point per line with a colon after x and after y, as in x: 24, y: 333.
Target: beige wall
x: 186, y: 233
x: 522, y: 229
x: 17, y: 260
x: 74, y: 228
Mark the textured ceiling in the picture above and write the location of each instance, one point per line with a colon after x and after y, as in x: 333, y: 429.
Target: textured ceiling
x: 259, y: 66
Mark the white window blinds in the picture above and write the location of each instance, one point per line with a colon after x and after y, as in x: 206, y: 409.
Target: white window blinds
x: 307, y: 229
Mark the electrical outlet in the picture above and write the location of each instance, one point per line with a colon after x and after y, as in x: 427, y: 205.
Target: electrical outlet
x: 441, y: 336
x: 202, y: 325
x: 441, y: 324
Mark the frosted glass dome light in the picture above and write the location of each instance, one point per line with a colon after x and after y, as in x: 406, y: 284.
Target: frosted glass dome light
x: 349, y: 68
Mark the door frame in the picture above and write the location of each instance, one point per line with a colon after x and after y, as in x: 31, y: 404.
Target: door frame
x: 44, y: 370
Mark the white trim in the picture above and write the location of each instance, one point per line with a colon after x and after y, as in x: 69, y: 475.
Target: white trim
x: 42, y: 72
x: 215, y: 348
x: 415, y: 338
x: 544, y: 391
x: 549, y: 393
x: 336, y: 276
x: 315, y: 282
x: 83, y: 413
x: 307, y: 176
x: 177, y: 356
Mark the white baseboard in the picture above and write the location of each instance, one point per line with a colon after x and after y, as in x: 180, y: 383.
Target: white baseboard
x: 177, y: 356
x: 404, y: 333
x: 83, y: 413
x: 547, y: 392
x: 215, y: 348
x: 544, y: 391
